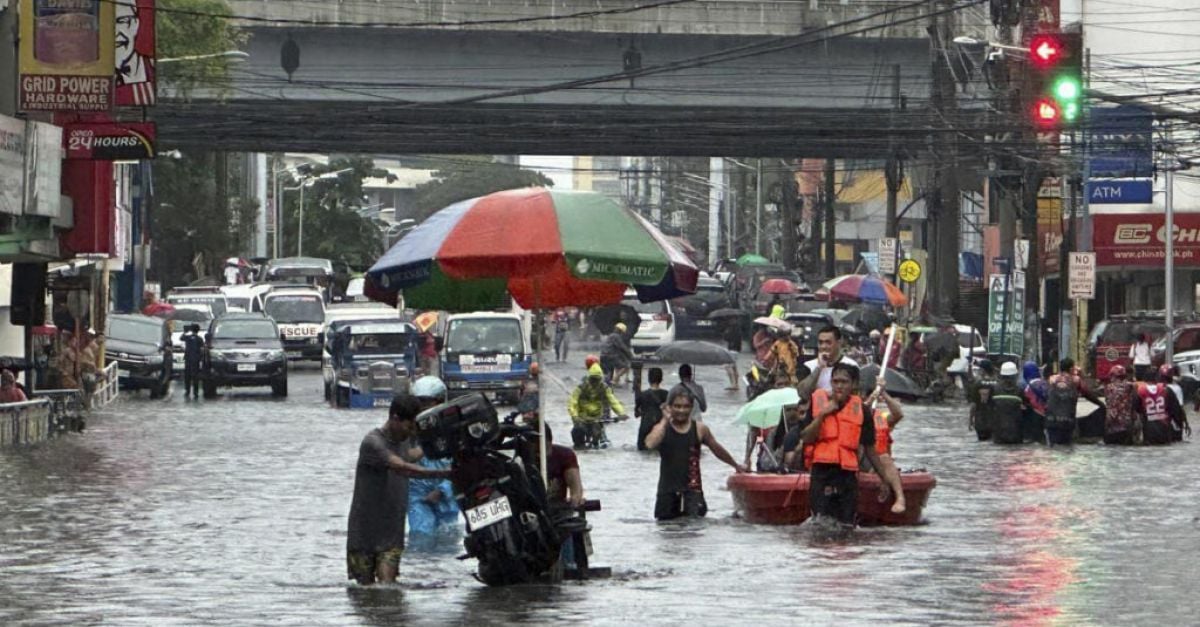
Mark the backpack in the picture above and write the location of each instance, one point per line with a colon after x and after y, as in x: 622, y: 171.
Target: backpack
x: 1062, y: 396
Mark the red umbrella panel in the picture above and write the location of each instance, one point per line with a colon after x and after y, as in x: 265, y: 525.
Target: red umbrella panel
x: 778, y: 286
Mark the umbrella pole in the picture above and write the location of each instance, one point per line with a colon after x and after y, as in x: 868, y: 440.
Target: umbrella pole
x: 537, y: 352
x: 887, y: 356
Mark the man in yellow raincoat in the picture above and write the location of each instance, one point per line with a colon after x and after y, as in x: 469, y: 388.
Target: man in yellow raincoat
x: 586, y: 407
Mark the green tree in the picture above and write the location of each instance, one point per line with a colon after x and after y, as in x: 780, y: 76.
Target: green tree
x: 470, y: 177
x: 186, y: 30
x: 336, y: 226
x: 192, y: 230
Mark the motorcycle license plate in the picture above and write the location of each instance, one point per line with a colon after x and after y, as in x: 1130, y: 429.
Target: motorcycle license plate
x: 245, y: 367
x: 489, y: 513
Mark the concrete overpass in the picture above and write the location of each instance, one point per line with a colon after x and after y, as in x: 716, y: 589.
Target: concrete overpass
x: 781, y: 86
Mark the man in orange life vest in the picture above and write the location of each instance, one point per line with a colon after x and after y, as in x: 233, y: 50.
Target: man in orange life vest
x: 837, y: 435
x: 885, y: 420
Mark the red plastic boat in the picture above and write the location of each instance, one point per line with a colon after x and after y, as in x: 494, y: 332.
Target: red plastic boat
x: 772, y: 499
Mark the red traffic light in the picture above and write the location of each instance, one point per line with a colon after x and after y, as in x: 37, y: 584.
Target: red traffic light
x: 1046, y: 112
x: 1045, y: 50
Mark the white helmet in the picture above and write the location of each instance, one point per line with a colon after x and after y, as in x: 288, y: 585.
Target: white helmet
x: 429, y: 387
x: 1008, y: 369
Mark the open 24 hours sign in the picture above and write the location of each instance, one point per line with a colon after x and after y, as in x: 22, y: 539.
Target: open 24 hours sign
x: 109, y: 141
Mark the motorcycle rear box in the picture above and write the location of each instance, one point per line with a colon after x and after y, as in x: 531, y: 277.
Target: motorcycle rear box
x: 445, y: 429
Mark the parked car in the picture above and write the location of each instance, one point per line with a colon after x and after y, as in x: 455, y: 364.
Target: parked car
x: 244, y: 350
x: 300, y: 313
x: 970, y: 342
x: 658, y: 323
x: 691, y: 311
x: 486, y: 352
x: 805, y: 327
x: 211, y: 297
x: 312, y: 271
x: 1120, y: 333
x: 372, y: 362
x: 178, y: 321
x: 1185, y: 355
x: 341, y: 314
x: 758, y: 302
x: 141, y: 347
x: 246, y: 296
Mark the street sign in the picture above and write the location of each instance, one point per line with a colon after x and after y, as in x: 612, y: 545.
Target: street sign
x: 1122, y: 140
x: 1082, y: 276
x: 1018, y: 280
x: 887, y: 255
x: 1006, y: 333
x: 1021, y: 252
x: 1120, y: 192
x: 909, y: 271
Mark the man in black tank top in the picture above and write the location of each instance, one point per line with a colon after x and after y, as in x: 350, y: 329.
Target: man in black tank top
x: 677, y: 438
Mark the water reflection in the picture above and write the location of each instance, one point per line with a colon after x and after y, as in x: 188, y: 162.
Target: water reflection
x: 235, y: 512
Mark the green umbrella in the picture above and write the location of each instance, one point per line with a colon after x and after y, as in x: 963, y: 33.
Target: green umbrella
x: 751, y: 259
x: 764, y: 411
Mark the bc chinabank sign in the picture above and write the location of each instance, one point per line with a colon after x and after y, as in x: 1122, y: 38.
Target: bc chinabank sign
x: 66, y: 55
x: 1138, y: 239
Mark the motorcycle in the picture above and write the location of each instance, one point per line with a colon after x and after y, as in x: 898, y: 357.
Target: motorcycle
x: 511, y: 529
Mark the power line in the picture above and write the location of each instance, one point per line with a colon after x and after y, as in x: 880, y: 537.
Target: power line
x: 414, y: 24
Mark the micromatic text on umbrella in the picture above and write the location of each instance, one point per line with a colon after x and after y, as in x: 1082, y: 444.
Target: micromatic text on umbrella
x: 586, y: 266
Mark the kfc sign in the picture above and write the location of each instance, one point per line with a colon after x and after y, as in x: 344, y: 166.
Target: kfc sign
x: 1138, y: 239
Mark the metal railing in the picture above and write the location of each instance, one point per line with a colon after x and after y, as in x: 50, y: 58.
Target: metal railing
x: 24, y: 423
x: 109, y: 388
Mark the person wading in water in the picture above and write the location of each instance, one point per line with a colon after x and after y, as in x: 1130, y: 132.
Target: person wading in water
x: 677, y: 438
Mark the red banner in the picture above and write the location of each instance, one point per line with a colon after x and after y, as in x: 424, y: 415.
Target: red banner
x: 135, y: 51
x: 109, y: 141
x: 1137, y: 239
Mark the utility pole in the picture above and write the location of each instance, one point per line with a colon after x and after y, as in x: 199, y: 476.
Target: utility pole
x: 945, y: 201
x: 787, y: 215
x: 1169, y: 283
x: 758, y: 206
x: 893, y: 177
x: 830, y: 221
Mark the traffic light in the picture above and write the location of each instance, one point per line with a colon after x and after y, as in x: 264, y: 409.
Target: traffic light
x: 1056, y: 80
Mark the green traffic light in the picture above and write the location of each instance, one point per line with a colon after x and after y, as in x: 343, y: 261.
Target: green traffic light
x: 1067, y: 89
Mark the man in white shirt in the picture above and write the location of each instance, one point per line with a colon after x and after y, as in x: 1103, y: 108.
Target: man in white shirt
x: 829, y: 351
x: 1140, y: 354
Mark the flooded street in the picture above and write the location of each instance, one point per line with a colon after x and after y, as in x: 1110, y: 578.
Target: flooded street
x: 233, y: 511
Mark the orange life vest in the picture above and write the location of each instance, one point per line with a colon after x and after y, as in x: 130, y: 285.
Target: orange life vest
x: 883, y: 432
x: 837, y: 442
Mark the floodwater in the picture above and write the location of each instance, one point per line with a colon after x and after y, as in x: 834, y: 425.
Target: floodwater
x: 233, y: 511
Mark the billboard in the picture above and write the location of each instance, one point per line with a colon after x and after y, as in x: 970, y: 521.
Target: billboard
x: 109, y: 140
x: 1122, y: 142
x: 66, y: 54
x: 1137, y: 239
x: 12, y: 165
x: 134, y: 45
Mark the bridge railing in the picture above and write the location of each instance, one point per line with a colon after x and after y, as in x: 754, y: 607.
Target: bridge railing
x: 711, y: 17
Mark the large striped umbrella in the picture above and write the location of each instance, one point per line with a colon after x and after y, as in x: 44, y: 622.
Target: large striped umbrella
x: 864, y: 288
x: 545, y: 248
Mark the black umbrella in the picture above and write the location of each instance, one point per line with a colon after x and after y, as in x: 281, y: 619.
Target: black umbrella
x: 695, y: 353
x: 897, y: 383
x: 607, y: 317
x: 726, y: 312
x: 867, y: 317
